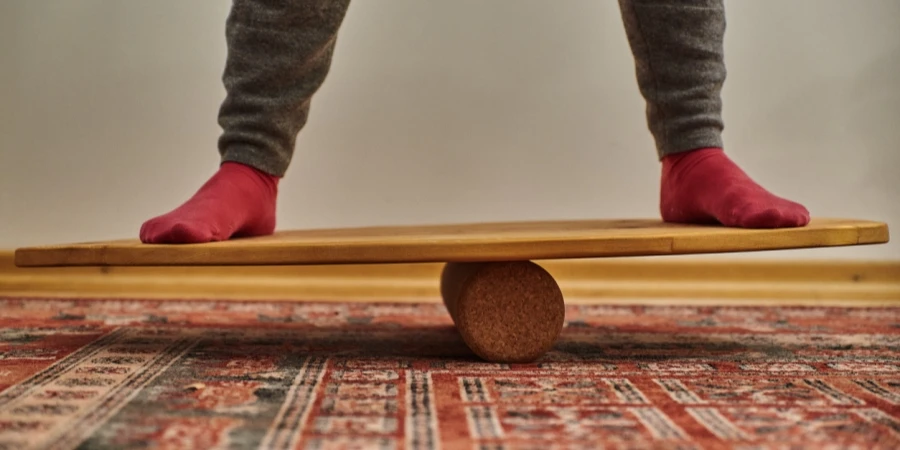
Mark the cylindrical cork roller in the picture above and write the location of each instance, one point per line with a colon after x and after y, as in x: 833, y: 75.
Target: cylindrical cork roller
x: 507, y: 312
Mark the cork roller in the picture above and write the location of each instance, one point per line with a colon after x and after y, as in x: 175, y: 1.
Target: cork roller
x: 507, y: 312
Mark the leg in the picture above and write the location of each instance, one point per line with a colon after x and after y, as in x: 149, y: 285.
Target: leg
x: 279, y: 53
x: 679, y: 60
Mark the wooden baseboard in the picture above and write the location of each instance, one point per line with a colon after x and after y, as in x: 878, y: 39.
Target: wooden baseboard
x: 617, y: 280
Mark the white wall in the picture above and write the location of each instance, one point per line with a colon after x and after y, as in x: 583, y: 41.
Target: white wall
x: 108, y: 114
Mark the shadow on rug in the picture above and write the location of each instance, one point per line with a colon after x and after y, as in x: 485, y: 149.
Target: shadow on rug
x: 151, y: 374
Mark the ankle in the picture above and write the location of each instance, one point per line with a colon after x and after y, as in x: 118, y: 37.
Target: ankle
x: 266, y: 182
x: 690, y: 157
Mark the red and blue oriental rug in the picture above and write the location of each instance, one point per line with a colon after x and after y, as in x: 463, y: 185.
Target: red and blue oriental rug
x: 82, y: 374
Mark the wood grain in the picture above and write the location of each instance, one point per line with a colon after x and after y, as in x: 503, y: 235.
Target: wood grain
x: 480, y: 242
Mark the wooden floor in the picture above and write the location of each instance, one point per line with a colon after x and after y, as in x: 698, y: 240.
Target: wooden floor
x: 587, y: 281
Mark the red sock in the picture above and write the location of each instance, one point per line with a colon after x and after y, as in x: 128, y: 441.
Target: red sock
x: 704, y: 186
x: 237, y: 201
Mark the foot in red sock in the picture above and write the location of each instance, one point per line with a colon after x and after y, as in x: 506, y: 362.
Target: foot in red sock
x: 704, y: 186
x: 237, y: 201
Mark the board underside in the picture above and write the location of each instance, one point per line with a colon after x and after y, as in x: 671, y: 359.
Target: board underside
x: 479, y: 242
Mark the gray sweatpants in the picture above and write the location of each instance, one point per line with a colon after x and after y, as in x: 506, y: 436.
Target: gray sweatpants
x: 280, y: 51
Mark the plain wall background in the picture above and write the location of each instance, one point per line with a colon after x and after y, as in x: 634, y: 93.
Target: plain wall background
x: 437, y: 112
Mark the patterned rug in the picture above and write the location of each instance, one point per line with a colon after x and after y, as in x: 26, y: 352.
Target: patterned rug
x: 208, y: 375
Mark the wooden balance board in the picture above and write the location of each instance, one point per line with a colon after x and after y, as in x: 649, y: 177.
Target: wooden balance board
x: 507, y: 307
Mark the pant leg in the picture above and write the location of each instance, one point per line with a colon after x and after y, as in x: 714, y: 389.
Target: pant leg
x: 679, y: 60
x: 279, y: 53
